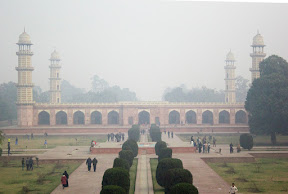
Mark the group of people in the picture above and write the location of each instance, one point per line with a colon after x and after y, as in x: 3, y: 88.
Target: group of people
x: 89, y: 162
x: 116, y: 137
x: 203, y: 146
x: 170, y: 134
x: 64, y: 179
x: 29, y: 163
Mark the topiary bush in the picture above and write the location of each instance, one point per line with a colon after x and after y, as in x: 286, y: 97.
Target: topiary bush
x: 246, y: 141
x: 116, y: 176
x: 134, y: 133
x: 183, y: 188
x: 121, y: 163
x: 131, y: 145
x: 127, y: 155
x: 112, y: 189
x: 164, y: 153
x: 155, y: 133
x: 160, y: 145
x: 164, y: 165
x: 175, y: 176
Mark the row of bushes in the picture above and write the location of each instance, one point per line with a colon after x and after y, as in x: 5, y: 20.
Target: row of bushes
x: 117, y: 179
x: 155, y: 133
x: 170, y: 173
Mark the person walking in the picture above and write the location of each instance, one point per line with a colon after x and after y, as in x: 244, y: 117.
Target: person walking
x: 208, y: 148
x: 64, y: 181
x: 231, y: 148
x: 31, y: 163
x: 172, y: 134
x: 23, y: 163
x: 95, y: 161
x: 108, y: 137
x: 88, y: 162
x: 45, y: 143
x: 27, y: 163
x: 233, y: 189
x: 67, y: 176
x: 214, y: 142
x: 16, y: 141
x: 168, y: 134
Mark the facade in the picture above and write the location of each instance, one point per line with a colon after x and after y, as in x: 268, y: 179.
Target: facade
x: 228, y: 114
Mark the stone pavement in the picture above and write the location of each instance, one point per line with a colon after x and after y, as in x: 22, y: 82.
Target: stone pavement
x: 82, y: 181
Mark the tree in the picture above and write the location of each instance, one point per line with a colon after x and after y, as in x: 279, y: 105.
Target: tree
x: 241, y: 87
x: 246, y: 141
x: 39, y: 96
x: 8, y: 98
x: 98, y: 84
x: 267, y: 99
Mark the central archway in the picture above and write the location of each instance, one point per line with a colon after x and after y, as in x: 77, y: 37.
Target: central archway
x: 191, y: 117
x: 79, y: 118
x: 174, y: 117
x: 207, y: 117
x: 144, y: 117
x: 224, y: 117
x: 43, y: 118
x: 61, y: 118
x: 113, y: 118
x: 96, y: 118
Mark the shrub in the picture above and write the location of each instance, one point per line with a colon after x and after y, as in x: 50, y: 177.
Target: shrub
x: 134, y: 133
x: 159, y: 145
x: 175, y: 176
x: 121, y: 163
x: 131, y: 145
x: 164, y: 153
x: 183, y: 188
x: 127, y: 155
x: 246, y: 141
x: 112, y: 189
x: 155, y: 133
x: 116, y: 176
x: 164, y: 165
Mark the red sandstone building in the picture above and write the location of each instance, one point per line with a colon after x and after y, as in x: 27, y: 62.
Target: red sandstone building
x: 227, y: 116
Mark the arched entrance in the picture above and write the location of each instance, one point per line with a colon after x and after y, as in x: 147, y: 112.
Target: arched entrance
x: 43, y: 118
x: 207, y: 117
x: 78, y: 118
x: 174, y: 117
x: 224, y: 117
x: 191, y: 117
x: 143, y: 118
x: 113, y: 118
x: 96, y: 118
x: 61, y: 118
x: 240, y: 117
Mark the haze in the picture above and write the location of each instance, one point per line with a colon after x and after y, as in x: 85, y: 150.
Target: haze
x: 144, y: 46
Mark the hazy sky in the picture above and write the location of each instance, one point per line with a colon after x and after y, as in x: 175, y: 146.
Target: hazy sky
x: 146, y: 46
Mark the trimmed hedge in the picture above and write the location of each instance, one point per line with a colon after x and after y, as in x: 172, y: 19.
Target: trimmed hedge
x: 134, y: 133
x: 246, y: 141
x: 127, y: 155
x: 131, y: 145
x: 160, y: 145
x: 112, y: 189
x: 117, y: 176
x: 165, y: 165
x: 164, y: 153
x: 175, y: 176
x: 121, y: 163
x: 155, y: 133
x: 183, y: 188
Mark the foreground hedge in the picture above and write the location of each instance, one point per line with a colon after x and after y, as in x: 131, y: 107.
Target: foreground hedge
x: 246, y: 141
x: 175, y: 176
x: 165, y: 165
x: 127, y: 155
x: 131, y: 145
x: 134, y: 133
x: 160, y: 145
x: 112, y: 189
x: 183, y: 188
x: 164, y: 153
x: 121, y: 163
x: 117, y: 176
x: 155, y: 133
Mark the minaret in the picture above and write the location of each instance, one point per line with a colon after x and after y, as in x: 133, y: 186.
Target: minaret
x: 25, y: 86
x: 55, y: 80
x: 230, y: 96
x: 257, y: 56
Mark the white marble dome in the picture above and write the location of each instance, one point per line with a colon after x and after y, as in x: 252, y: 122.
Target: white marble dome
x: 230, y: 56
x: 24, y: 38
x: 55, y: 56
x: 258, y: 40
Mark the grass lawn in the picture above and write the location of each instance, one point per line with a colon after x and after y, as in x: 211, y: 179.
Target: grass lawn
x: 43, y: 179
x: 227, y: 138
x: 133, y: 174
x: 52, y: 141
x: 157, y: 188
x: 267, y: 175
